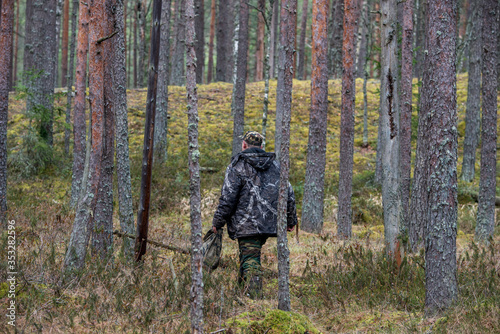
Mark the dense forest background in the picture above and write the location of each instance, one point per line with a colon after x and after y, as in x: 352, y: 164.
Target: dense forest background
x: 384, y: 111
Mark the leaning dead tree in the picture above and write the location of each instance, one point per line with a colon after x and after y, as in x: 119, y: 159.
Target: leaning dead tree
x: 149, y: 135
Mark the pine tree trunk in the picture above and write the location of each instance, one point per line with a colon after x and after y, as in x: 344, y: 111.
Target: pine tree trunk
x: 59, y: 15
x: 344, y: 218
x: 64, y: 46
x: 406, y: 111
x: 487, y: 184
x: 141, y: 21
x: 420, y: 37
x: 102, y: 233
x: 194, y: 174
x: 16, y: 45
x: 136, y: 19
x: 274, y: 38
x: 223, y: 71
x: 335, y: 56
x: 85, y: 213
x: 40, y: 57
x: 288, y: 21
x: 67, y: 130
x: 239, y: 88
x: 161, y: 124
x: 6, y: 33
x: 259, y: 48
x: 312, y: 205
x: 177, y: 76
x: 472, y: 113
x: 79, y: 131
x: 147, y: 156
x: 122, y: 149
x: 366, y: 68
x: 199, y: 25
x: 302, y: 42
x: 439, y: 97
x: 211, y: 43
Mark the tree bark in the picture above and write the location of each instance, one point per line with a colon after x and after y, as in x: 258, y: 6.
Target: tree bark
x: 59, y: 9
x: 194, y: 175
x: 439, y: 98
x: 211, y: 44
x: 366, y: 68
x: 472, y: 113
x: 85, y: 213
x: 344, y: 218
x: 79, y: 130
x: 122, y: 149
x: 312, y: 205
x: 64, y: 46
x: 199, y: 25
x: 141, y: 21
x: 420, y: 37
x: 302, y: 42
x: 6, y: 31
x: 177, y: 77
x: 406, y: 111
x: 487, y: 184
x: 239, y: 88
x: 147, y: 156
x: 274, y: 38
x: 283, y: 107
x: 40, y: 60
x: 223, y: 71
x: 363, y: 44
x: 161, y: 124
x: 67, y: 130
x: 102, y: 233
x: 267, y: 69
x: 16, y: 45
x: 136, y: 19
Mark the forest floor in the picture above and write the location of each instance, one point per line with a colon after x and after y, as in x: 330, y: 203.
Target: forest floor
x: 348, y: 287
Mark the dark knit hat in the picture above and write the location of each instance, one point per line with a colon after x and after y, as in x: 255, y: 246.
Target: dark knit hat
x: 253, y: 138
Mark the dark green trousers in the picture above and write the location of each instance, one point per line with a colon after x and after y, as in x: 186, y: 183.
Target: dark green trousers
x: 250, y: 248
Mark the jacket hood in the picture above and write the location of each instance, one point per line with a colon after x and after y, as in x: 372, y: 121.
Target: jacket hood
x: 258, y: 158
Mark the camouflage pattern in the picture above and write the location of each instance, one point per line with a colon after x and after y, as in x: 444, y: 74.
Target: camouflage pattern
x: 212, y: 249
x: 250, y: 249
x: 253, y: 138
x: 249, y: 198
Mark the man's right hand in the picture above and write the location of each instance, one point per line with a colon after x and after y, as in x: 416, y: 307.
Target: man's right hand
x: 214, y: 229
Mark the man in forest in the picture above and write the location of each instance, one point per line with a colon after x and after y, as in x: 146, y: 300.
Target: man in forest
x: 248, y: 204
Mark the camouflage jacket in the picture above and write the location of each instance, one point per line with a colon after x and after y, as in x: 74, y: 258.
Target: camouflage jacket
x: 249, y: 200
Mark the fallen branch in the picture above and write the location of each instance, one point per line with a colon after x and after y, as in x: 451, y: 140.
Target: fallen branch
x: 154, y: 243
x: 475, y: 197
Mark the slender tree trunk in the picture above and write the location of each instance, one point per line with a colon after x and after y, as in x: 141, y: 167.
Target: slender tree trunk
x: 267, y: 69
x: 194, y: 174
x: 102, y: 233
x: 141, y: 21
x: 406, y: 111
x: 122, y: 150
x: 147, y: 157
x: 487, y: 184
x: 312, y: 206
x: 64, y: 46
x: 79, y: 146
x: 259, y: 48
x: 85, y: 213
x: 59, y: 15
x: 274, y: 38
x: 177, y: 76
x: 211, y: 43
x: 40, y: 59
x: 16, y: 43
x: 336, y: 39
x: 283, y: 107
x: 366, y: 68
x: 67, y: 130
x: 302, y: 42
x: 420, y: 37
x: 223, y: 70
x: 136, y: 19
x: 344, y: 218
x: 439, y: 97
x: 239, y: 88
x: 472, y: 113
x: 161, y: 124
x: 199, y: 24
x: 363, y: 44
x: 6, y: 31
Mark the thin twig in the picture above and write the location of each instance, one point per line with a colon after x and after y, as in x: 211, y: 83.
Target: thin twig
x: 100, y: 40
x: 154, y: 243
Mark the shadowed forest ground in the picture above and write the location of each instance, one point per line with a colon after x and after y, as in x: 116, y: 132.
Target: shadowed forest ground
x: 335, y: 286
